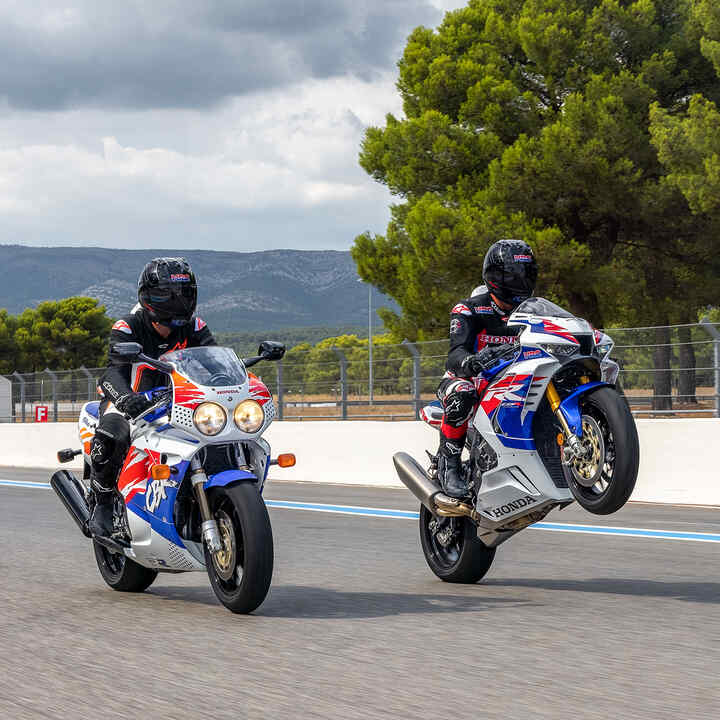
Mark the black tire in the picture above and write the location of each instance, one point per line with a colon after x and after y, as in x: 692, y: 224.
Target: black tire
x: 622, y: 453
x: 120, y: 572
x: 242, y: 506
x: 466, y: 560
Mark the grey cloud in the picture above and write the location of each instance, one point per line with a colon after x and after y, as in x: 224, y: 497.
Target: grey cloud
x: 191, y: 53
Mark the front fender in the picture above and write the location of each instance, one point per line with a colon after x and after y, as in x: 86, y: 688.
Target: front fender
x: 228, y: 477
x: 570, y: 406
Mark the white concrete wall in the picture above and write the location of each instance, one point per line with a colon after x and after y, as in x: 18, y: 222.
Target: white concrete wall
x: 5, y: 400
x: 678, y: 458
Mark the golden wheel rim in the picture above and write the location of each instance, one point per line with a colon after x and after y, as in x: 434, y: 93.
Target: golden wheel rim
x: 225, y: 560
x: 588, y: 470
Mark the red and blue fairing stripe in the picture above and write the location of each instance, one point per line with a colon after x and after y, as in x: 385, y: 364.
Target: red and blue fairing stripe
x: 546, y: 327
x: 503, y: 403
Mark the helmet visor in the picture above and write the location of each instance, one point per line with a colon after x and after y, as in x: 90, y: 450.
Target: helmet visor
x: 173, y: 305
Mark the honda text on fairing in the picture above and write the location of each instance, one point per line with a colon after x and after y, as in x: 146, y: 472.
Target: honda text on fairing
x: 189, y: 495
x: 551, y: 428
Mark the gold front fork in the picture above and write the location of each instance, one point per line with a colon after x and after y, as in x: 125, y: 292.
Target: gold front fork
x: 573, y: 444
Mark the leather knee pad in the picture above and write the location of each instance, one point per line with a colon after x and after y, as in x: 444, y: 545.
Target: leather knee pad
x: 110, y: 445
x: 459, y: 401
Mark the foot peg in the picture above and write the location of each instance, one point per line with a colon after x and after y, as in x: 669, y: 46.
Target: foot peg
x: 115, y: 545
x: 68, y: 454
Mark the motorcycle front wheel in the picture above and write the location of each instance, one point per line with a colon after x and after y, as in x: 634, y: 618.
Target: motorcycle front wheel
x: 604, y: 479
x: 241, y: 572
x: 452, y: 549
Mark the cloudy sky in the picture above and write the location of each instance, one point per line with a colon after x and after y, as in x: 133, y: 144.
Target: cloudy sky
x: 218, y: 124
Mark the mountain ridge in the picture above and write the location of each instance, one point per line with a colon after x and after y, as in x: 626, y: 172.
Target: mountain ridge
x: 237, y: 290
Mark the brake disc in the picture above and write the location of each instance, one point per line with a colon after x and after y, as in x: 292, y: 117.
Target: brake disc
x: 588, y: 469
x: 225, y: 560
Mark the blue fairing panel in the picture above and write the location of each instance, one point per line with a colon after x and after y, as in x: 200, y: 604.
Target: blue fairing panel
x: 226, y: 477
x: 162, y: 519
x: 570, y: 406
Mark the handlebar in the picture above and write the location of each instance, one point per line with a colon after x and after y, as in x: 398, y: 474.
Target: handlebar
x: 157, y: 364
x: 164, y: 400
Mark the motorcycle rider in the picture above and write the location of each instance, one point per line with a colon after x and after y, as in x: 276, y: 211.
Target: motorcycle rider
x: 479, y: 339
x: 164, y: 320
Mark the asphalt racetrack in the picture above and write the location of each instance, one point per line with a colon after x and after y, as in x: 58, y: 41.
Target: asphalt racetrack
x: 566, y: 625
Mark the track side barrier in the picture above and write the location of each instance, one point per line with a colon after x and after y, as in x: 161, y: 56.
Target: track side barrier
x: 678, y: 458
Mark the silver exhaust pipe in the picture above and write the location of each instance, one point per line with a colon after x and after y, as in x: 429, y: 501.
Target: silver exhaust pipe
x: 416, y: 480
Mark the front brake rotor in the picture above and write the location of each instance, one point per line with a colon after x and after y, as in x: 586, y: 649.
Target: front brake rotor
x: 225, y: 559
x: 588, y: 469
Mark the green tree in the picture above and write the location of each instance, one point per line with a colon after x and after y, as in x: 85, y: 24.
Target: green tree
x: 8, y: 345
x: 531, y: 118
x: 62, y: 335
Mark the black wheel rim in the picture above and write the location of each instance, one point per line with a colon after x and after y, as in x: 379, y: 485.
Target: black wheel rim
x: 445, y: 553
x: 605, y: 481
x: 225, y: 514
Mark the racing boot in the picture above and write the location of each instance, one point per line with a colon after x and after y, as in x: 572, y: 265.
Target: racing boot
x: 101, y: 520
x: 102, y: 484
x: 450, y: 471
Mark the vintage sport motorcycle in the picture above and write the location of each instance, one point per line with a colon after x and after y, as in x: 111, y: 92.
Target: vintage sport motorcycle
x: 552, y: 427
x: 189, y: 495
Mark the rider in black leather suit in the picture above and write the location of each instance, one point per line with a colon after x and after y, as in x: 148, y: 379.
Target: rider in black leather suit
x: 163, y: 321
x: 479, y: 339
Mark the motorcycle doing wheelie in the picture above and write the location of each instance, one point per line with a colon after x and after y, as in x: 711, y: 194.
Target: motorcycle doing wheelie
x: 189, y: 495
x: 551, y: 428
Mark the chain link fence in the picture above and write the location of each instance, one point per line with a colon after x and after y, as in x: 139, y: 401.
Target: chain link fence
x: 665, y: 372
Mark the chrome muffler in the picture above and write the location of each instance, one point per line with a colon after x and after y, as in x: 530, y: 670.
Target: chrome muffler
x: 416, y: 480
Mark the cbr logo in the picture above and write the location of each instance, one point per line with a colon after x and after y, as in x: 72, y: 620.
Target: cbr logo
x: 484, y: 309
x: 180, y: 277
x: 155, y: 493
x: 523, y: 258
x: 531, y: 354
x: 498, y: 512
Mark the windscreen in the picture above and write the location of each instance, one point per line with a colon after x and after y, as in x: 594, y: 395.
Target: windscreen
x: 543, y: 308
x: 209, y: 366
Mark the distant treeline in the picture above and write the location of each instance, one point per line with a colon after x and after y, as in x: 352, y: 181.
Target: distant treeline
x: 246, y: 343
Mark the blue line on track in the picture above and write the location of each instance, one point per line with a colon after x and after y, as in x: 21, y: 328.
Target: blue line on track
x: 24, y: 484
x: 412, y: 515
x: 344, y: 509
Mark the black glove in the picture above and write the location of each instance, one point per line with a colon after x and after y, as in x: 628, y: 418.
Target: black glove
x: 486, y: 359
x: 132, y: 404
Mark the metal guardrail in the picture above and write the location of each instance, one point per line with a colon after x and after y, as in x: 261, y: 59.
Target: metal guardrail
x: 671, y: 371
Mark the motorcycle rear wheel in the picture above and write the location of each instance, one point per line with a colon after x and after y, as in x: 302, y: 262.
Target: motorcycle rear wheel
x: 606, y: 411
x: 120, y: 572
x: 241, y: 573
x: 465, y: 559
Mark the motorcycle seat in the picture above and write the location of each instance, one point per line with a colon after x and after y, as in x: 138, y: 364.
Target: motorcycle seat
x: 433, y: 413
x: 93, y: 408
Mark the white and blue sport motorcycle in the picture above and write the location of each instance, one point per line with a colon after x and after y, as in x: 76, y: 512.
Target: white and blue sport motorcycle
x: 189, y: 495
x: 551, y: 428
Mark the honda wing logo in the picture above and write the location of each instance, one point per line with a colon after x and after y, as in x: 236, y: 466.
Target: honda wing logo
x: 510, y: 389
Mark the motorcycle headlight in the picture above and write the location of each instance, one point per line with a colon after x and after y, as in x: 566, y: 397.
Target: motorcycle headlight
x: 249, y: 416
x: 209, y: 418
x: 559, y: 350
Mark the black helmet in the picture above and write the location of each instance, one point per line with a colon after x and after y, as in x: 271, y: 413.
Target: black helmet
x: 510, y: 271
x: 167, y: 291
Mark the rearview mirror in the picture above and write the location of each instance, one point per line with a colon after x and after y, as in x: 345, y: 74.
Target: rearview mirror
x: 126, y: 349
x: 271, y: 350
